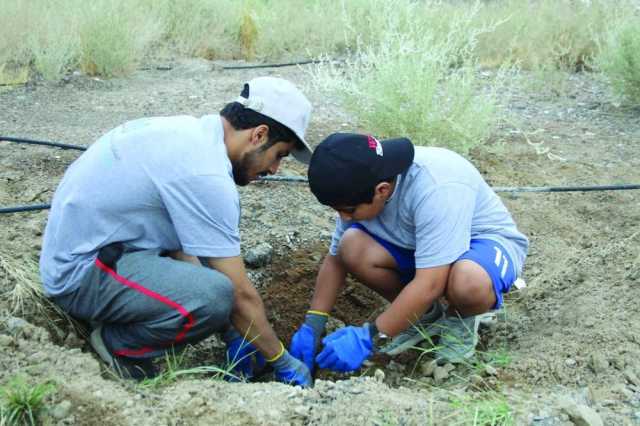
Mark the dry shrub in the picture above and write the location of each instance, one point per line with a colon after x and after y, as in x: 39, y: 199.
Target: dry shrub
x: 26, y: 295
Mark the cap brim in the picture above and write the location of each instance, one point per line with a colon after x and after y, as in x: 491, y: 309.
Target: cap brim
x: 302, y: 152
x: 398, y: 155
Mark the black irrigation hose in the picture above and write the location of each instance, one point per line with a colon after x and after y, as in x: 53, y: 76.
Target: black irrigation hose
x: 302, y: 179
x: 46, y: 143
x: 285, y: 64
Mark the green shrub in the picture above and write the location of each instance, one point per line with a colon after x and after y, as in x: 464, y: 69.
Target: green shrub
x: 203, y: 28
x: 114, y: 36
x: 22, y: 403
x: 53, y: 43
x: 620, y: 59
x: 419, y: 80
x: 544, y: 34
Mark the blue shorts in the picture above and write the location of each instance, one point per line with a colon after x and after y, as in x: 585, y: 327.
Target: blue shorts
x: 490, y: 255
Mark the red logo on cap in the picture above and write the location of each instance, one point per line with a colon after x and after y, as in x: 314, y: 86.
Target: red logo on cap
x: 373, y: 143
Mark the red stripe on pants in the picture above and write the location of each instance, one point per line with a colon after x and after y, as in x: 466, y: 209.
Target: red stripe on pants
x: 122, y: 280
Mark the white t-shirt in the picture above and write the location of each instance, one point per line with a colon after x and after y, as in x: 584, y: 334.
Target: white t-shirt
x: 163, y: 182
x: 439, y: 204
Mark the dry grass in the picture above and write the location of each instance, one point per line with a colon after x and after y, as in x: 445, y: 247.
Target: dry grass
x: 26, y: 294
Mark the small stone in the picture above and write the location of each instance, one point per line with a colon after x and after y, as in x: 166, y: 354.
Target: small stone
x: 570, y: 362
x: 73, y: 341
x: 5, y: 340
x: 427, y: 368
x: 598, y: 363
x: 631, y: 377
x: 581, y: 415
x: 259, y: 255
x: 302, y: 410
x: 440, y: 374
x: 62, y: 410
x: 334, y: 324
x: 379, y: 375
x: 476, y: 379
x: 490, y: 370
x: 16, y: 325
x: 395, y: 366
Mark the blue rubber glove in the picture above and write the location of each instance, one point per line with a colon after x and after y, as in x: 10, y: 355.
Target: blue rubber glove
x: 291, y: 370
x: 306, y: 341
x: 346, y: 349
x: 242, y: 356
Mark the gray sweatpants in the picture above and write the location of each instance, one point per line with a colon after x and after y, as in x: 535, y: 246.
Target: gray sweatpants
x: 150, y: 303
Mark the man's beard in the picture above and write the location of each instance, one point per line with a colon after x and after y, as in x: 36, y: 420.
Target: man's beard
x: 241, y: 168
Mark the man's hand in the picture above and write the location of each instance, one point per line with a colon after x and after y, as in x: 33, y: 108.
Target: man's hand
x: 346, y: 349
x: 305, y: 343
x: 290, y: 370
x: 243, y: 358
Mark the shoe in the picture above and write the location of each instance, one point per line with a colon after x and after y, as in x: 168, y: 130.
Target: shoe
x: 127, y: 368
x: 415, y: 334
x: 458, y: 339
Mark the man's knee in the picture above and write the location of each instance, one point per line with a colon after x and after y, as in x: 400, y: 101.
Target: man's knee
x: 218, y: 301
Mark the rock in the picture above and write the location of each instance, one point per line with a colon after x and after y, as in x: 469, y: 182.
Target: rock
x: 581, y: 415
x: 259, y: 255
x: 73, y: 341
x: 440, y: 374
x: 598, y: 363
x: 333, y: 324
x: 62, y: 410
x: 5, y: 340
x: 631, y: 377
x: 395, y: 366
x: 379, y: 375
x: 449, y: 367
x: 476, y: 379
x: 490, y: 370
x: 570, y: 362
x: 16, y: 325
x: 427, y: 368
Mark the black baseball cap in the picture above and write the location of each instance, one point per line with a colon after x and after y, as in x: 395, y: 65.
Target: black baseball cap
x: 345, y: 166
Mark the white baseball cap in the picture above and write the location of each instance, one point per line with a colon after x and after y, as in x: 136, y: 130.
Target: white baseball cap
x: 280, y: 100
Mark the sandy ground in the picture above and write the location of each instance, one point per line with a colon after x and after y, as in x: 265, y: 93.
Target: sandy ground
x: 566, y: 349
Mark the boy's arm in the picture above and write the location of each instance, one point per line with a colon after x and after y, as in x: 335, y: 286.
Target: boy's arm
x: 329, y: 282
x: 413, y: 300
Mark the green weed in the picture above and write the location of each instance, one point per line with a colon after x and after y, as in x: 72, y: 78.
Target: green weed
x: 22, y: 403
x: 485, y: 409
x: 175, y: 368
x: 620, y: 59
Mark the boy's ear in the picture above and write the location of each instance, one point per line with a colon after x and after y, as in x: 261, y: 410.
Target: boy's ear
x: 383, y: 189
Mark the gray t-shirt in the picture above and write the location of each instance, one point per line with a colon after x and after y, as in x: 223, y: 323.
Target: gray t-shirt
x: 162, y: 182
x: 439, y: 204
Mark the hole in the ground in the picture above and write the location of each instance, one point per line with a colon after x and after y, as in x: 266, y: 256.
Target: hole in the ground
x: 288, y: 294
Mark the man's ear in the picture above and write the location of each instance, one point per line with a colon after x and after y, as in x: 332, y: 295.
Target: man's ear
x: 260, y: 135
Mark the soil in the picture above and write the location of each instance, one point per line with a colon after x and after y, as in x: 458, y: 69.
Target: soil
x: 565, y: 350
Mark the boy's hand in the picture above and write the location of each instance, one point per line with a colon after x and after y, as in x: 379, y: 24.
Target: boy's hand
x: 291, y: 370
x: 242, y: 356
x: 346, y: 349
x: 305, y: 342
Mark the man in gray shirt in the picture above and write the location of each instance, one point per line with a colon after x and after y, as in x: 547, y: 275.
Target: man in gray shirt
x: 414, y: 224
x: 142, y: 240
